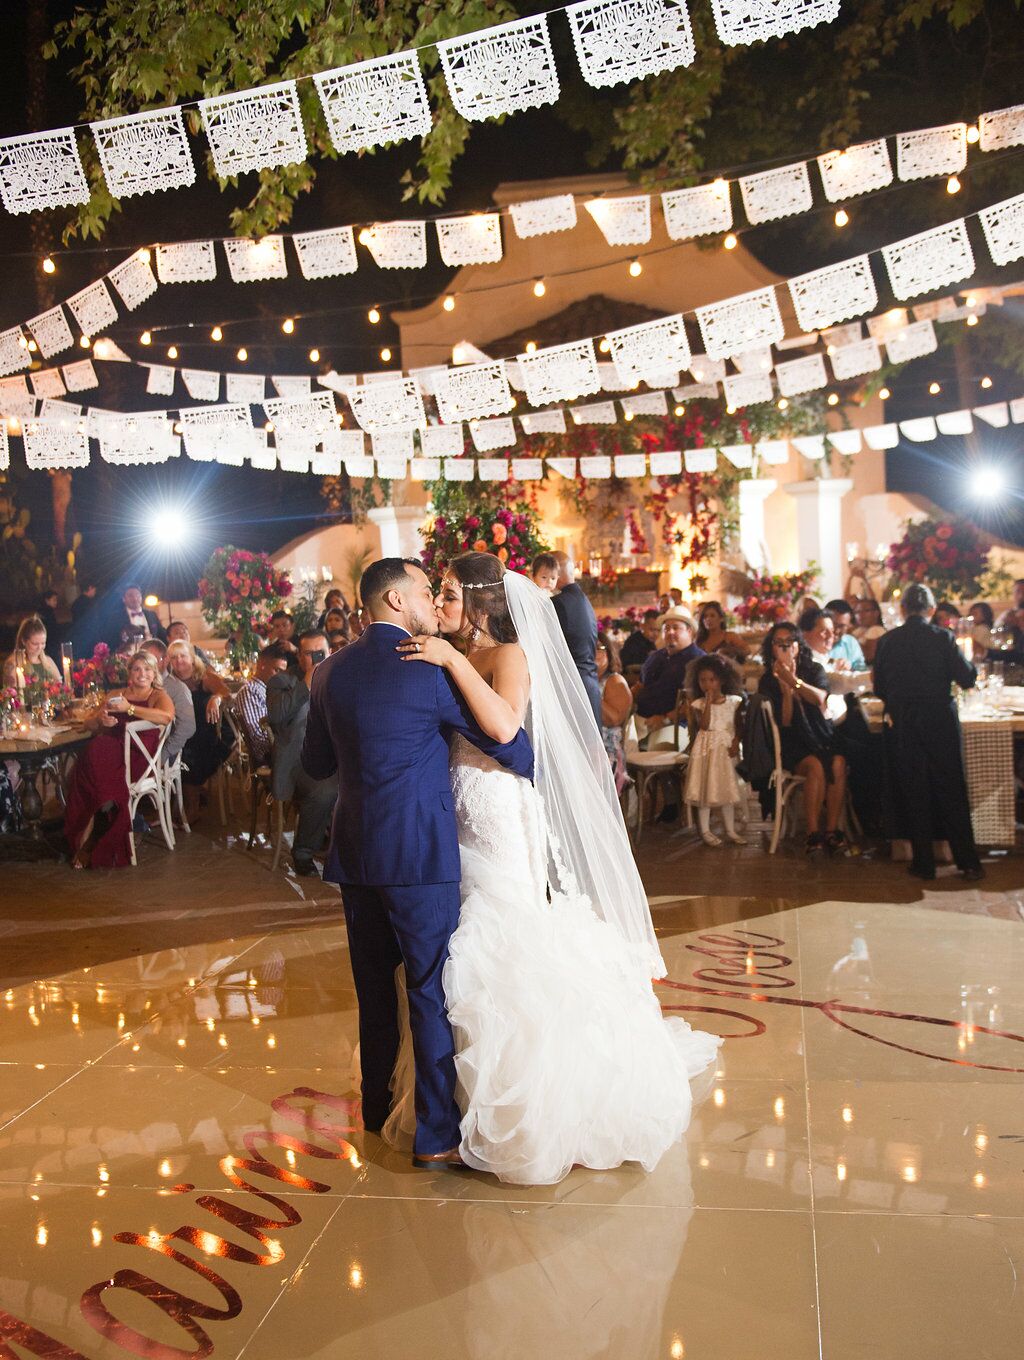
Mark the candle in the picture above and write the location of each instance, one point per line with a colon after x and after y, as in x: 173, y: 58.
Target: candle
x: 67, y: 672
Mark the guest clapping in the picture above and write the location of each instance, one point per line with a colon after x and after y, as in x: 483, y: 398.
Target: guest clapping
x: 205, y: 751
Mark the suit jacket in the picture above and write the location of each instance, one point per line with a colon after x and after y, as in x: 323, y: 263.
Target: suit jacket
x: 383, y: 724
x: 287, y: 712
x: 579, y: 628
x: 120, y: 624
x: 918, y: 662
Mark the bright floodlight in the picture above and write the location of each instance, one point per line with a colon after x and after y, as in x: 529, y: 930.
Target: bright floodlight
x: 987, y: 483
x: 168, y: 527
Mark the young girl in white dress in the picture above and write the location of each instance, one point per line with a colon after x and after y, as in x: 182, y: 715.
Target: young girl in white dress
x: 715, y: 690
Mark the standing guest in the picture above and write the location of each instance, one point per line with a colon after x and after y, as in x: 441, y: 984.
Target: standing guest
x: 86, y: 629
x: 915, y: 668
x: 714, y: 688
x: 205, y: 751
x: 132, y: 619
x: 47, y: 611
x: 616, y: 702
x: 869, y: 626
x: 664, y: 672
x: 579, y: 628
x: 544, y: 570
x: 334, y: 599
x: 287, y: 713
x: 846, y: 647
x: 282, y: 631
x: 96, y: 819
x: 639, y: 645
x: 30, y: 654
x: 251, y: 702
x: 664, y: 603
x: 184, y: 725
x: 675, y: 596
x: 178, y: 631
x: 946, y: 616
x: 796, y: 685
x: 713, y: 636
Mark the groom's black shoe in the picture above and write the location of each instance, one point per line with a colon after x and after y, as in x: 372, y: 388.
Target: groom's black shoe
x: 440, y: 1161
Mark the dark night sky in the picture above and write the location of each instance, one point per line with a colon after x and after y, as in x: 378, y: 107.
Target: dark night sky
x: 921, y: 86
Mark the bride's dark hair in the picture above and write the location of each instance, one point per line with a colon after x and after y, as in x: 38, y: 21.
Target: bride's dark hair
x: 483, y: 598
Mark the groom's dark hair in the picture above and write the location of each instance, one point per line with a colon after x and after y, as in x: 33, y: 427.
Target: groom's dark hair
x: 382, y: 576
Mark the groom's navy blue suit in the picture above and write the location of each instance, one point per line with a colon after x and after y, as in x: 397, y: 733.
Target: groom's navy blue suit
x: 383, y: 724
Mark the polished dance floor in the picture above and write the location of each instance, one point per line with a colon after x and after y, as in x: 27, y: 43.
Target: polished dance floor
x: 183, y: 1171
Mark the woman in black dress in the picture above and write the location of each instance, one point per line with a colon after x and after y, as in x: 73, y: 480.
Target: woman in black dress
x: 797, y: 688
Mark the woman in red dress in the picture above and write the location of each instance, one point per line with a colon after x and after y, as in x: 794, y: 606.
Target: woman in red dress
x: 96, y: 821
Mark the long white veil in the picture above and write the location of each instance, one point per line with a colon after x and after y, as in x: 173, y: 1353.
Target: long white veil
x: 588, y: 849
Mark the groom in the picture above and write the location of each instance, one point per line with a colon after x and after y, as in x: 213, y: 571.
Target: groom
x: 383, y: 725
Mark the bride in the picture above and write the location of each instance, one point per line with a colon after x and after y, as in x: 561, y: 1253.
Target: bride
x: 563, y: 1056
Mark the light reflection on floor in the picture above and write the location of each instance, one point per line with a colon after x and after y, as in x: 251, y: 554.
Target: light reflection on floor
x: 852, y: 1183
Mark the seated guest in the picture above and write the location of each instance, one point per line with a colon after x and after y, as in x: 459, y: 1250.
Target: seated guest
x: 287, y: 712
x: 712, y: 634
x: 544, y: 570
x: 797, y: 687
x: 846, y: 647
x: 983, y: 620
x: 133, y: 620
x: 333, y: 600
x: 808, y: 602
x: 30, y: 654
x: 639, y: 645
x: 869, y: 626
x: 96, y: 818
x: 1011, y: 618
x: 251, y: 702
x: 178, y: 631
x: 206, y: 750
x: 664, y: 671
x: 946, y: 615
x: 337, y: 641
x: 616, y: 702
x: 818, y: 632
x: 335, y: 621
x: 184, y: 726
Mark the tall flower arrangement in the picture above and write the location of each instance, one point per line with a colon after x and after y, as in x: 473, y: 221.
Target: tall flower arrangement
x: 771, y: 598
x: 238, y: 592
x: 950, y: 555
x: 494, y: 517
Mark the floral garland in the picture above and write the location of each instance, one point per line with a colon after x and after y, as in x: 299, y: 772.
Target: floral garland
x: 495, y: 517
x: 949, y: 555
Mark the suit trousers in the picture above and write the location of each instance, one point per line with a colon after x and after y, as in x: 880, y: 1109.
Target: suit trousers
x: 388, y: 926
x: 315, y: 799
x: 929, y: 774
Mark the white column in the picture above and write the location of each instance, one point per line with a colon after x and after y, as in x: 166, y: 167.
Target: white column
x: 819, y: 528
x: 399, y: 527
x: 753, y: 494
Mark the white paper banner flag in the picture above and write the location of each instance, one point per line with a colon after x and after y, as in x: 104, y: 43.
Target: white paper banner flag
x: 776, y: 193
x: 396, y: 245
x: 850, y: 361
x: 747, y: 21
x: 809, y: 445
x: 1003, y: 225
x: 266, y: 458
x: 500, y: 70
x: 251, y: 387
x: 700, y: 211
x: 16, y: 400
x: 359, y: 466
x: 995, y: 414
x: 186, y: 262
x: 144, y: 152
x: 492, y: 469
x: 895, y: 319
x: 642, y: 353
x: 610, y: 380
x: 543, y: 422
x: 307, y: 417
x: 428, y: 377
x: 754, y: 361
x: 801, y: 375
x: 560, y: 373
x: 941, y: 309
x: 596, y: 413
x: 139, y: 442
x: 879, y: 437
x: 391, y: 405
x: 619, y: 40
x: 41, y: 170
x: 932, y: 151
x: 493, y: 434
x: 425, y: 469
x: 622, y: 221
x: 836, y: 293
x: 773, y: 452
x: 473, y: 390
x: 325, y: 465
x: 836, y: 336
x: 696, y: 392
x: 347, y: 443
x: 539, y: 216
x: 443, y: 441
x: 392, y: 444
x: 747, y: 389
x: 646, y: 404
x: 630, y: 465
x: 528, y: 469
x: 14, y: 352
x: 55, y: 444
x: 912, y: 342
x: 81, y: 376
x: 1003, y: 128
x: 287, y: 386
x: 470, y: 240
x: 201, y: 384
x: 565, y: 467
x: 392, y: 469
x: 740, y: 323
x: 668, y: 463
x: 93, y: 309
x: 700, y: 460
x: 51, y: 331
x: 846, y: 442
x: 47, y: 382
x: 955, y: 423
x: 254, y: 129
x: 929, y: 260
x: 920, y: 430
x: 134, y: 280
x: 59, y: 412
x: 707, y: 371
x: 324, y: 254
x: 459, y: 469
x: 857, y: 170
x: 599, y: 465
x: 740, y: 455
x: 374, y: 103
x: 1017, y: 410
x: 250, y: 261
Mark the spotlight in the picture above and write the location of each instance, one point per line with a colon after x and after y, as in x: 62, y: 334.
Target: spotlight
x: 216, y: 333
x: 731, y: 241
x: 168, y: 526
x: 287, y: 325
x: 314, y: 356
x: 635, y: 269
x: 987, y: 483
x: 842, y: 217
x: 449, y: 303
x: 146, y: 338
x: 48, y: 266
x: 952, y: 185
x: 373, y: 316
x: 539, y: 288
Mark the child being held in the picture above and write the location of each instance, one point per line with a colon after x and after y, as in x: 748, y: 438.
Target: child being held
x: 715, y: 690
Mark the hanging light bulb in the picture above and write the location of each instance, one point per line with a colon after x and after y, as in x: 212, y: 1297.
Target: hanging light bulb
x: 842, y: 217
x: 385, y: 355
x: 731, y: 241
x: 539, y: 288
x: 530, y: 347
x: 269, y: 427
x: 48, y: 266
x: 952, y: 185
x: 449, y: 303
x: 730, y: 410
x: 242, y: 355
x: 373, y: 316
x: 972, y: 321
x: 679, y: 410
x: 146, y: 338
x: 85, y: 342
x: 314, y: 356
x: 32, y: 347
x: 833, y: 399
x: 216, y: 333
x: 288, y: 325
x: 884, y: 393
x: 627, y: 415
x: 635, y: 269
x: 172, y: 352
x: 145, y: 254
x: 604, y: 346
x: 783, y: 403
x: 973, y: 135
x: 934, y: 389
x: 986, y: 383
x: 365, y: 236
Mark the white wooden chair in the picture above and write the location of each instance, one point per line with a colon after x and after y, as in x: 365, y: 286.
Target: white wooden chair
x: 644, y: 766
x: 172, y: 771
x: 150, y: 782
x: 784, y: 784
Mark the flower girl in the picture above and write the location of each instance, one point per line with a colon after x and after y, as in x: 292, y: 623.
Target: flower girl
x: 715, y: 690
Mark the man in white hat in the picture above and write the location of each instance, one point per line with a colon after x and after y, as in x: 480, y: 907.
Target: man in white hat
x: 661, y: 678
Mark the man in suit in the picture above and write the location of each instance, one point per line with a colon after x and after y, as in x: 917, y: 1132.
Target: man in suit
x: 915, y: 668
x: 132, y: 619
x: 287, y: 714
x: 579, y: 628
x: 383, y: 727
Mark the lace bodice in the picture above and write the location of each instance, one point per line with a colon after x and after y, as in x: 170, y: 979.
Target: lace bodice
x: 501, y: 825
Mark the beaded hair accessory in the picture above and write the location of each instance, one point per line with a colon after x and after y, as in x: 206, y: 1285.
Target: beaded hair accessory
x: 470, y: 585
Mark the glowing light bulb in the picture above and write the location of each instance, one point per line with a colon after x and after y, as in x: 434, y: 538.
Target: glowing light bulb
x: 884, y: 393
x: 32, y: 347
x: 840, y: 1171
x: 269, y: 427
x: 847, y: 1115
x: 242, y: 355
x: 952, y: 185
x: 355, y: 1277
x: 973, y: 135
x: 365, y: 236
x: 972, y: 321
x: 679, y: 410
x: 986, y: 383
x: 288, y: 325
x: 373, y: 316
x: 216, y: 333
x: 385, y: 355
x: 146, y: 338
x: 934, y: 389
x: 314, y: 356
x: 604, y: 346
x: 719, y: 1097
x: 783, y: 403
x: 539, y: 288
x: 731, y: 241
x: 530, y: 347
x: 449, y: 303
x: 627, y: 415
x: 842, y: 217
x: 48, y: 266
x: 145, y: 254
x: 730, y: 410
x: 635, y: 269
x: 172, y: 352
x: 85, y: 342
x: 832, y: 399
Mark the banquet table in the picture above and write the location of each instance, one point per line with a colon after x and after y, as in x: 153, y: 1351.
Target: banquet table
x: 36, y: 750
